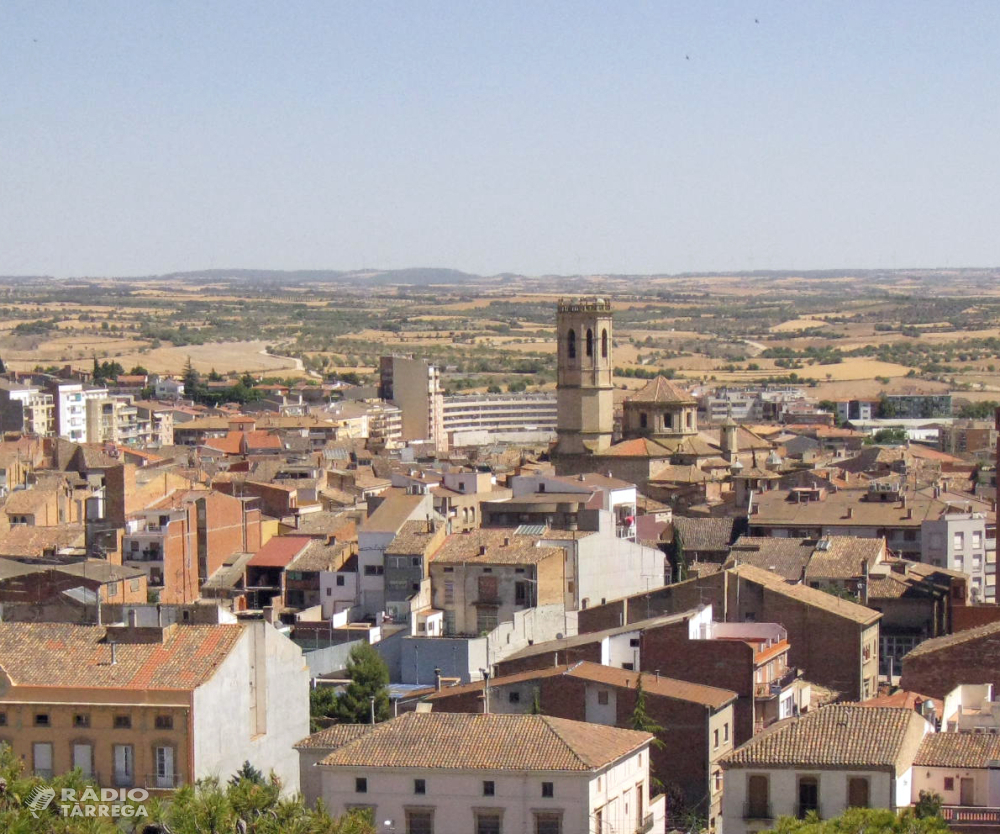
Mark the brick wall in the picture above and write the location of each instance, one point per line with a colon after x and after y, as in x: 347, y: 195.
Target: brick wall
x: 937, y: 673
x: 548, y: 659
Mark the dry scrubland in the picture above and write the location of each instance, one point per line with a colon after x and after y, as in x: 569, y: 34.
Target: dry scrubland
x: 846, y: 335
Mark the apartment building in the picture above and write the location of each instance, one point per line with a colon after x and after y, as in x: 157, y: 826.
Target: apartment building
x: 27, y: 409
x: 70, y: 407
x: 152, y: 707
x: 960, y: 541
x: 441, y: 773
x: 939, y: 665
x: 414, y: 386
x: 474, y: 419
x: 180, y: 540
x: 967, y: 437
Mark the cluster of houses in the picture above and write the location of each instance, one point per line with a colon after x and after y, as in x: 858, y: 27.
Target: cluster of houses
x: 803, y: 622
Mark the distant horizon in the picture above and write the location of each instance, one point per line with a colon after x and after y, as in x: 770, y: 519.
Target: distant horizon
x: 233, y: 272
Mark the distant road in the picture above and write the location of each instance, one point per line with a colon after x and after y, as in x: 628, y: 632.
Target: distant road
x: 296, y: 362
x: 756, y: 345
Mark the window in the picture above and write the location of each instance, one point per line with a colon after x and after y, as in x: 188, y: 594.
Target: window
x: 361, y: 785
x: 602, y: 697
x: 959, y: 541
x: 374, y: 570
x: 715, y: 739
x: 123, y: 722
x: 949, y: 783
x: 163, y: 759
x: 489, y: 788
x: 808, y: 796
x: 634, y: 643
x: 124, y: 762
x: 81, y: 719
x: 41, y: 719
x: 725, y: 731
x: 548, y: 823
x: 419, y: 821
x: 112, y: 589
x: 449, y: 592
x: 548, y: 790
x: 717, y: 780
x: 571, y: 344
x: 604, y: 344
x: 514, y: 697
x: 3, y: 719
x: 83, y: 758
x: 857, y: 792
x: 487, y: 822
x: 419, y: 786
x: 164, y: 722
x: 590, y: 342
x: 340, y: 582
x: 758, y: 798
x: 42, y: 758
x: 486, y: 620
x: 643, y: 420
x: 977, y: 539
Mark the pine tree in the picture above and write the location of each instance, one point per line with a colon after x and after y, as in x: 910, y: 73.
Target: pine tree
x: 192, y: 381
x: 536, y: 703
x: 247, y: 773
x: 641, y: 720
x: 369, y: 677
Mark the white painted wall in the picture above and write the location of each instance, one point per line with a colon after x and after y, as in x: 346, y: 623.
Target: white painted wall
x: 223, y: 735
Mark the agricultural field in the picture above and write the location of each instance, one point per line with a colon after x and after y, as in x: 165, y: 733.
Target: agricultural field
x: 854, y: 334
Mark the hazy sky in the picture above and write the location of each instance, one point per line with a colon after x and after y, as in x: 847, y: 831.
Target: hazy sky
x: 144, y: 137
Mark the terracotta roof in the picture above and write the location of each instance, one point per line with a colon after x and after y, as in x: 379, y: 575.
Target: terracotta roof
x: 662, y: 390
x: 810, y: 596
x: 595, y: 479
x: 903, y: 698
x: 502, y: 546
x: 279, y: 551
x: 777, y: 508
x: 836, y: 736
x: 640, y: 447
x: 843, y: 556
x: 584, y: 670
x: 488, y: 742
x: 936, y: 644
x: 24, y: 542
x: 783, y: 556
x: 64, y: 655
x: 704, y: 533
x: 333, y: 737
x: 958, y: 750
x: 412, y: 539
x: 319, y: 556
x: 392, y: 513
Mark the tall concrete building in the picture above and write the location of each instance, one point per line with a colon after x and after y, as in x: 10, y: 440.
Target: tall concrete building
x: 585, y: 391
x: 414, y: 386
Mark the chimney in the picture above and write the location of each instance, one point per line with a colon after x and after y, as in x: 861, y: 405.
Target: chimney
x: 657, y: 673
x: 506, y: 541
x: 159, y: 615
x: 114, y: 653
x: 909, y: 512
x: 482, y: 550
x: 850, y: 512
x: 902, y: 500
x: 437, y: 678
x: 133, y: 618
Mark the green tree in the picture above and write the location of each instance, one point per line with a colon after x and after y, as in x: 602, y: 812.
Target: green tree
x: 247, y: 773
x: 536, y: 702
x: 138, y: 370
x: 322, y: 707
x: 369, y: 678
x: 864, y: 821
x: 928, y: 804
x: 192, y: 381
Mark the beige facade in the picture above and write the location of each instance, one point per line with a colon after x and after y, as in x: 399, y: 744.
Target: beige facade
x: 585, y: 390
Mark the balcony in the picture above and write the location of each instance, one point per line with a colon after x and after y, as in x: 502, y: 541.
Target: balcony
x: 757, y: 811
x: 967, y: 815
x: 773, y: 688
x: 163, y: 781
x: 646, y: 825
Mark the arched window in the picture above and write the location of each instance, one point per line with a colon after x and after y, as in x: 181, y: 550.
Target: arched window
x: 590, y: 342
x: 571, y: 344
x: 604, y: 344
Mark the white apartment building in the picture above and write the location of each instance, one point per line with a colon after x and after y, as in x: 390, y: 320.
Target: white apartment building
x: 414, y: 386
x: 26, y: 408
x: 451, y: 773
x: 485, y: 418
x: 70, y: 401
x: 959, y: 541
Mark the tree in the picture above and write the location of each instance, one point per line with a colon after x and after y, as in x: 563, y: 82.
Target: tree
x: 247, y: 773
x: 536, y: 702
x: 677, y: 558
x: 641, y: 720
x: 369, y: 678
x: 928, y: 804
x: 138, y: 370
x: 192, y: 380
x: 864, y: 821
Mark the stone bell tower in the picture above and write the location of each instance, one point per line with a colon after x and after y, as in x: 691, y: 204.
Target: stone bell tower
x: 584, y: 389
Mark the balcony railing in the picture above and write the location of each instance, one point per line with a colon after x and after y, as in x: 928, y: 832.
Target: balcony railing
x: 970, y: 815
x: 646, y: 825
x: 757, y: 811
x: 773, y: 688
x: 163, y: 782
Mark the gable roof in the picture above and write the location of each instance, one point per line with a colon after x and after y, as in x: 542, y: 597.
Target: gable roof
x: 991, y: 631
x: 279, y: 551
x: 333, y: 737
x: 836, y: 736
x: 488, y: 742
x: 66, y: 655
x: 810, y: 596
x: 704, y: 533
x: 958, y: 750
